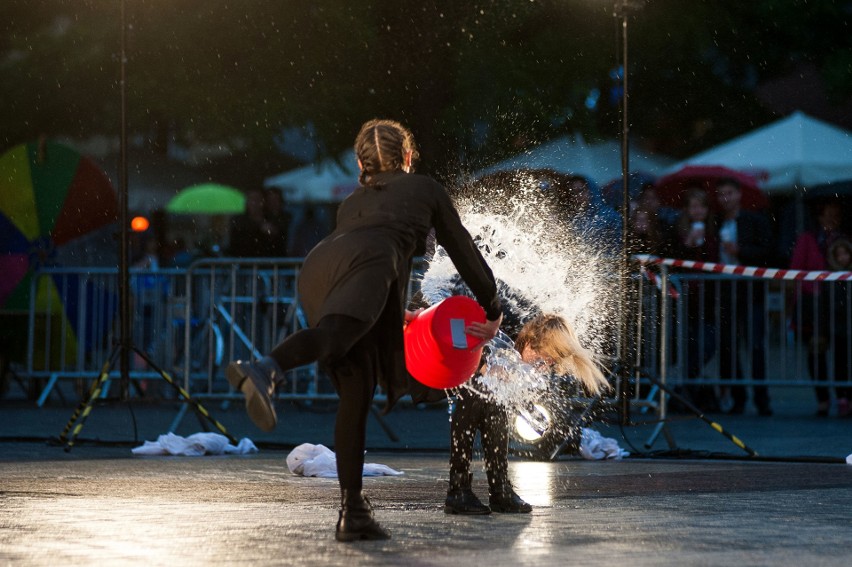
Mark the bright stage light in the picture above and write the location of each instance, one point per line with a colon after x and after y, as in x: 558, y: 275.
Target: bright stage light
x: 532, y: 424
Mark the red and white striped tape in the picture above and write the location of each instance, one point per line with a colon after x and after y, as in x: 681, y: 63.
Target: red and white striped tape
x: 749, y: 271
x: 652, y: 277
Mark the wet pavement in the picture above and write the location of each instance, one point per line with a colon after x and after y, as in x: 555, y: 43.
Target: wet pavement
x: 100, y: 504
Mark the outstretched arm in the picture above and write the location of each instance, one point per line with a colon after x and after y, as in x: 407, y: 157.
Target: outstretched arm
x: 485, y: 331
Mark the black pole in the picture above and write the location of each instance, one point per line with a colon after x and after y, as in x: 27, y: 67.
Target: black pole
x: 123, y: 268
x: 624, y: 272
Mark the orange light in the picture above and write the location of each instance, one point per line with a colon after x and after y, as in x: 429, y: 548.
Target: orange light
x: 139, y: 224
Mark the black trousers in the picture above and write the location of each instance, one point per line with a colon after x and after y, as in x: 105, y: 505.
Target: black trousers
x: 741, y: 315
x: 474, y: 414
x: 334, y: 344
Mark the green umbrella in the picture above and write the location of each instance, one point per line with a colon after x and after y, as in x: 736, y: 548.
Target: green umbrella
x: 207, y: 199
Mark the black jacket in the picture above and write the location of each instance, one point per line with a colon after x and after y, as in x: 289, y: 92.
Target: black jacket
x: 362, y: 269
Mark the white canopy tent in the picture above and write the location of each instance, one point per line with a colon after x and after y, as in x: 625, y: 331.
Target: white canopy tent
x: 796, y: 151
x: 599, y: 162
x: 328, y: 182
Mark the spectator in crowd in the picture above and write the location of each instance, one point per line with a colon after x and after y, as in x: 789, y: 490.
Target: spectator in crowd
x: 649, y: 199
x: 579, y: 203
x: 697, y: 235
x: 840, y: 259
x: 251, y: 234
x: 182, y: 256
x: 647, y: 236
x: 696, y: 238
x: 278, y: 221
x: 745, y: 238
x: 307, y: 232
x: 813, y: 316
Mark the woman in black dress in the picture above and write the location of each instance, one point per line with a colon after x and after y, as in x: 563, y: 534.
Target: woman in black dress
x: 352, y: 288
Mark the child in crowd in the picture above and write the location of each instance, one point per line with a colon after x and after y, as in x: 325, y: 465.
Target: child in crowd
x: 547, y: 342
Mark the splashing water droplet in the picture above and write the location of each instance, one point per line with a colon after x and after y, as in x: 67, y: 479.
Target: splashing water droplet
x: 542, y: 264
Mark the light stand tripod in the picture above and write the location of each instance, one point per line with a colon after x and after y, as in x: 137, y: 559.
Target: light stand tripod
x: 622, y: 12
x: 122, y: 349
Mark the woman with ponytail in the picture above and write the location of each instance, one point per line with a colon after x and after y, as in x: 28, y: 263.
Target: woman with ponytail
x: 352, y: 288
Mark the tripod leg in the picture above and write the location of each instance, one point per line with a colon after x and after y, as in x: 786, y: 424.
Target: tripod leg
x: 185, y: 395
x: 85, y: 406
x: 700, y: 415
x: 663, y: 428
x: 580, y: 421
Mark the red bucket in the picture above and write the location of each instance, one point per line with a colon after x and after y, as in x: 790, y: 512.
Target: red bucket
x: 438, y: 353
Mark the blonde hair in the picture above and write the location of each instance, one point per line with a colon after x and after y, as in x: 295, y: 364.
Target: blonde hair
x: 551, y: 336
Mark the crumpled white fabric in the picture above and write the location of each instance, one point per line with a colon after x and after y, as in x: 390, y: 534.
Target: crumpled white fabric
x: 594, y: 446
x: 319, y: 461
x: 849, y: 459
x: 195, y: 445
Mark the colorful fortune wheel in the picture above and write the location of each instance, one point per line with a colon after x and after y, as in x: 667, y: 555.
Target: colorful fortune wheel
x: 52, y: 201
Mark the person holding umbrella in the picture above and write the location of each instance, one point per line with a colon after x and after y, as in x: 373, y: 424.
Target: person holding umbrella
x: 353, y: 288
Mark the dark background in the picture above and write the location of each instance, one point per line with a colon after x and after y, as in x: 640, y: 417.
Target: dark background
x: 281, y: 82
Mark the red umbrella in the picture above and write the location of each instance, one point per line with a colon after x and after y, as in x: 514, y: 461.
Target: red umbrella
x: 671, y: 188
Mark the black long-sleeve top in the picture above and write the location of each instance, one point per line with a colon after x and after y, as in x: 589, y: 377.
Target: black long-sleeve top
x: 363, y: 267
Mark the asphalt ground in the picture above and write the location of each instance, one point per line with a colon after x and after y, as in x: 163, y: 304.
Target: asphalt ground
x: 693, y: 498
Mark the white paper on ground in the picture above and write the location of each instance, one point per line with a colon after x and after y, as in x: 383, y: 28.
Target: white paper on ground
x: 594, y: 446
x: 195, y: 445
x: 319, y: 461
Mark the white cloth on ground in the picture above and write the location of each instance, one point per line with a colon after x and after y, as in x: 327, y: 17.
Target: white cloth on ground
x: 319, y: 461
x: 849, y: 459
x: 195, y: 445
x: 594, y: 446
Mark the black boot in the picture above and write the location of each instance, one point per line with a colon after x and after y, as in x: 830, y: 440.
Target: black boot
x: 461, y: 499
x: 356, y: 519
x: 257, y: 381
x: 503, y: 498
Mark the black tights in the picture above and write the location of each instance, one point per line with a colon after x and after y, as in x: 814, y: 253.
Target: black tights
x: 474, y: 413
x: 329, y: 343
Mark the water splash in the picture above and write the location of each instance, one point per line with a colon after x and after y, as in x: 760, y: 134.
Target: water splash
x: 542, y: 264
x: 508, y: 380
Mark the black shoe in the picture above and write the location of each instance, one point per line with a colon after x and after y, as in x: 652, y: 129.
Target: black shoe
x: 256, y: 380
x: 461, y: 499
x: 356, y: 520
x: 504, y: 499
x: 765, y: 411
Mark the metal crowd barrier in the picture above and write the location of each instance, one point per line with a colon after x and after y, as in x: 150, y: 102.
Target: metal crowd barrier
x: 691, y: 330
x: 190, y: 322
x: 240, y: 309
x: 73, y: 325
x: 715, y: 331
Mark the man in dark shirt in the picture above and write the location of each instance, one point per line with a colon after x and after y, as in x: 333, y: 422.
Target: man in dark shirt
x: 744, y: 239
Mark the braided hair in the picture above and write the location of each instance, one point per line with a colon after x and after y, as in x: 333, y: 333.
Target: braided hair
x: 382, y: 145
